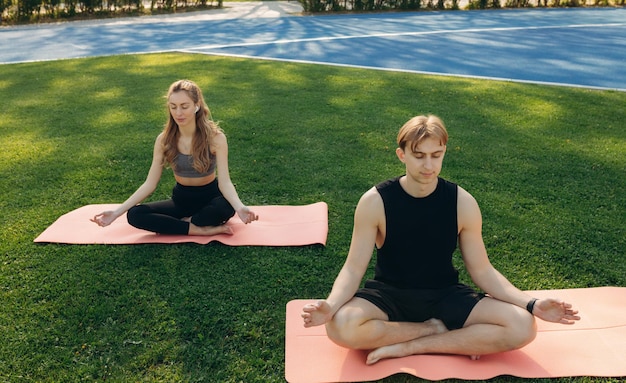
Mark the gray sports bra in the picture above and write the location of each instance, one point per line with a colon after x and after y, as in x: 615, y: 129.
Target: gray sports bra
x: 183, y: 166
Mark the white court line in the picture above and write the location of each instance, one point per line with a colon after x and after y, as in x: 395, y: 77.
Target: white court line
x: 203, y: 50
x: 405, y: 70
x: 374, y: 35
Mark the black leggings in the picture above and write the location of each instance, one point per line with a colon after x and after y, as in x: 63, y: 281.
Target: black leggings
x: 204, y: 204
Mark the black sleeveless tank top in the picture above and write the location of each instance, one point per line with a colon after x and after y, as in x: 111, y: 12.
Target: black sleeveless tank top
x: 420, y: 238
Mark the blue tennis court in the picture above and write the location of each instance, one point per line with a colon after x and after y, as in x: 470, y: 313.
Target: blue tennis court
x: 571, y: 47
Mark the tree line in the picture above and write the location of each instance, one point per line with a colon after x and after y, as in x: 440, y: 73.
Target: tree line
x: 34, y: 11
x: 316, y: 6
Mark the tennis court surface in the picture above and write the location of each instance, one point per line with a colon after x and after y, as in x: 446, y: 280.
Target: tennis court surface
x: 579, y: 47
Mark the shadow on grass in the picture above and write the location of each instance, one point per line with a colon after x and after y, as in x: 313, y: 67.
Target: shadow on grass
x: 544, y: 164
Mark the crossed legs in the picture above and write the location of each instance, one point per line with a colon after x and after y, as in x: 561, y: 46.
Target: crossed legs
x: 168, y: 217
x: 492, y: 326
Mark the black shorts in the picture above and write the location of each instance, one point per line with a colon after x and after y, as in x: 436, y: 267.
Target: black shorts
x: 452, y: 305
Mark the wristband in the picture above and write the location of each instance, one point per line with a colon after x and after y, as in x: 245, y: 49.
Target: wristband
x: 531, y: 305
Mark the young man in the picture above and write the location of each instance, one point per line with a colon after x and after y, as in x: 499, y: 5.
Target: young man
x: 415, y: 304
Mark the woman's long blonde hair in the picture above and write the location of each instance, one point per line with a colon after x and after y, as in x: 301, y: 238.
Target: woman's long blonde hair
x: 206, y: 129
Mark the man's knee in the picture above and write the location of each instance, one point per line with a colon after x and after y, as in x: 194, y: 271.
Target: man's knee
x: 524, y: 332
x: 343, y: 329
x: 518, y: 326
x: 520, y: 332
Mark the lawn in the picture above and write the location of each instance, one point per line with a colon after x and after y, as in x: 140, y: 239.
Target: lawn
x: 546, y: 164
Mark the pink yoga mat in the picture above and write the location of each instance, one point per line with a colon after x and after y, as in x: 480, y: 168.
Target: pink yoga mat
x: 595, y: 346
x: 278, y: 225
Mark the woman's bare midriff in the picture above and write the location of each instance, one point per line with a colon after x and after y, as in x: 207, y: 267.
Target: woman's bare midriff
x: 201, y: 181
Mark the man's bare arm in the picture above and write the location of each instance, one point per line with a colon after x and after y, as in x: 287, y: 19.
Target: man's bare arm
x: 366, y: 222
x: 491, y: 280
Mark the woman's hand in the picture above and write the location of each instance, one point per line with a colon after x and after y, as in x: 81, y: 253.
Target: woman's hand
x: 246, y: 215
x: 105, y: 218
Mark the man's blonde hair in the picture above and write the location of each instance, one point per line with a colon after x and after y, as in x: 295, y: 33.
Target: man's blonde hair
x: 419, y: 128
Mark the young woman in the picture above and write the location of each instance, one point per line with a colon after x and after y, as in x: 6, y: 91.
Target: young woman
x: 195, y: 148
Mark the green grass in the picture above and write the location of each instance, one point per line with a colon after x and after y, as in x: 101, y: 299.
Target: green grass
x: 545, y: 163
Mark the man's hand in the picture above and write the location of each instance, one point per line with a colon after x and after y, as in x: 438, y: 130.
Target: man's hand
x: 554, y: 310
x: 315, y: 314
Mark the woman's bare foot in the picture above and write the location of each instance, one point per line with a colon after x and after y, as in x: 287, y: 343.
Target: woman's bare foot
x: 209, y: 230
x: 403, y: 349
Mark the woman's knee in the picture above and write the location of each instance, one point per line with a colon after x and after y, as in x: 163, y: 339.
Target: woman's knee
x: 135, y: 215
x: 218, y: 213
x: 225, y: 209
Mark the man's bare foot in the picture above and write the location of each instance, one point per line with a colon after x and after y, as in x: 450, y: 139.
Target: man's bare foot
x: 403, y: 349
x: 395, y: 351
x: 392, y: 351
x: 437, y: 326
x: 209, y: 230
